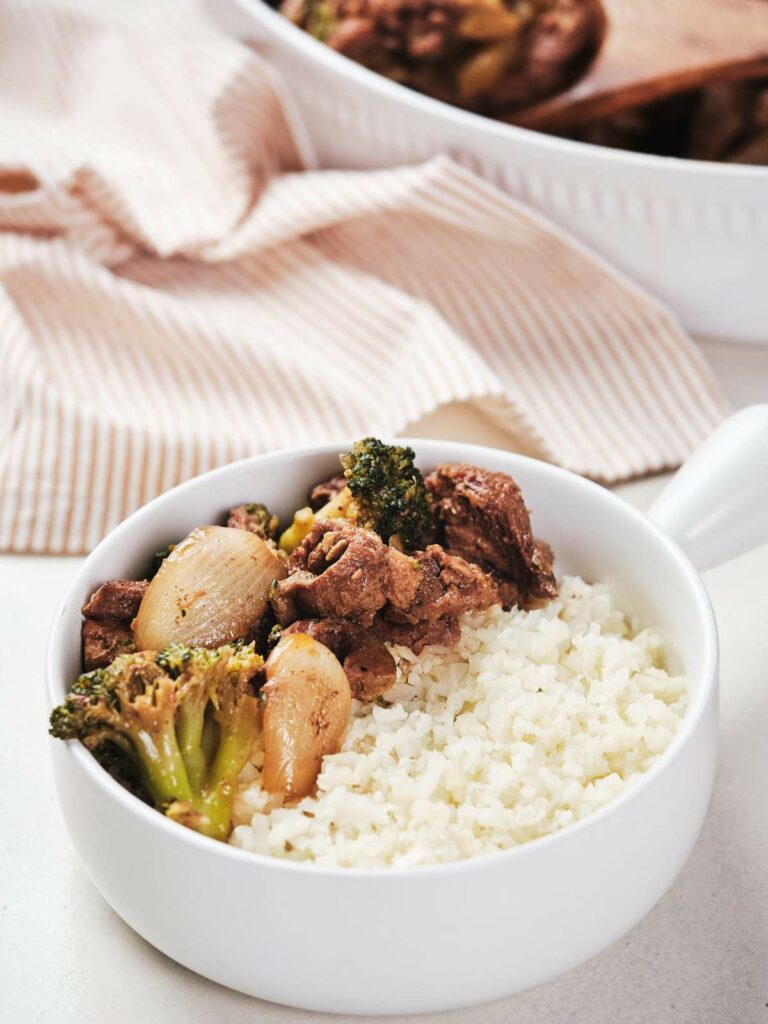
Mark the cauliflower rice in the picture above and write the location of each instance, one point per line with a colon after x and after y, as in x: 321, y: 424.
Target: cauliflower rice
x: 535, y: 720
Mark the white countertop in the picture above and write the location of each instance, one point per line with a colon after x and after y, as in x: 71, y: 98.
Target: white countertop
x: 700, y: 957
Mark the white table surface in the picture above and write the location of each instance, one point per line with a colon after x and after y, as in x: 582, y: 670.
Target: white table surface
x: 700, y: 957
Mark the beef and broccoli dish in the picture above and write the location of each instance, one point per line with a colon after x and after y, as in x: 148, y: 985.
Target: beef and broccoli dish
x: 392, y: 676
x: 245, y: 630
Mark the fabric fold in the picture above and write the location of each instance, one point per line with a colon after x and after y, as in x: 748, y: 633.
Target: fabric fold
x: 179, y: 288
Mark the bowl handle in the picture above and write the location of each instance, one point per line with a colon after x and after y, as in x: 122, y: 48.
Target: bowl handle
x: 716, y: 505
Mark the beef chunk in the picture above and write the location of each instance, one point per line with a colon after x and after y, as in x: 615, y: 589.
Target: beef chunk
x: 483, y: 519
x: 404, y: 579
x: 116, y: 599
x: 369, y: 666
x: 107, y: 621
x: 289, y: 598
x: 338, y: 571
x: 104, y: 640
x: 447, y: 586
x: 418, y: 635
x: 510, y: 594
x: 341, y: 571
x: 326, y: 490
x: 256, y: 519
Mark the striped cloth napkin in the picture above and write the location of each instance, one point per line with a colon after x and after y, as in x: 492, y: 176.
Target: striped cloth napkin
x: 179, y: 287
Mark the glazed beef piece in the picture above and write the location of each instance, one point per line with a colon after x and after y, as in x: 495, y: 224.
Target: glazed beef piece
x: 338, y: 571
x: 104, y: 640
x: 484, y: 519
x: 544, y: 585
x: 418, y: 635
x: 405, y: 578
x: 448, y: 585
x: 488, y: 55
x: 116, y: 599
x: 326, y: 490
x: 108, y: 614
x: 369, y: 666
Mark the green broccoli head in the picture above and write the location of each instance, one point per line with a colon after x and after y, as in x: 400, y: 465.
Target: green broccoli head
x: 274, y: 635
x: 261, y: 521
x: 184, y: 721
x: 387, y: 490
x: 256, y: 518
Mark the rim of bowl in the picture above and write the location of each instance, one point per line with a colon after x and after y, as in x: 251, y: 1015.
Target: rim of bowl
x: 322, y: 54
x: 134, y: 806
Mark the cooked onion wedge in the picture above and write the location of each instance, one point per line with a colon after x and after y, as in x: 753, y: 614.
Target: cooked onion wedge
x: 307, y: 702
x: 210, y: 590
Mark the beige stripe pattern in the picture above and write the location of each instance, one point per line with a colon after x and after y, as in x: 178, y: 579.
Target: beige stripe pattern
x: 180, y: 287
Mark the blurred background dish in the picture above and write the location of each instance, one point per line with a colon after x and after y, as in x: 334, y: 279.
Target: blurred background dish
x: 604, y: 71
x: 485, y: 55
x: 691, y: 231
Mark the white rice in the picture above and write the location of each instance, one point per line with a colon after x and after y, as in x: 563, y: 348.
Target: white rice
x: 535, y: 720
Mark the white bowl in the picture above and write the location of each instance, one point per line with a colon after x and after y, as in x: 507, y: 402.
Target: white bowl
x: 406, y: 940
x: 694, y: 233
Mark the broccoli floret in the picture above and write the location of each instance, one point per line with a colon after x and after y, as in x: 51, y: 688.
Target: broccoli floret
x: 121, y: 765
x: 185, y: 719
x: 261, y: 515
x: 385, y: 492
x: 256, y: 518
x: 274, y: 635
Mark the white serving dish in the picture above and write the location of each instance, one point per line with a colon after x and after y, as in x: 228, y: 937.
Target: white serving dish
x: 364, y: 941
x: 694, y: 233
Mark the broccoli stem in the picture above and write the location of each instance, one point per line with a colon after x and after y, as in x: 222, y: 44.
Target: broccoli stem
x: 162, y: 764
x: 215, y: 808
x: 238, y: 732
x: 210, y: 738
x: 189, y: 731
x: 234, y: 749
